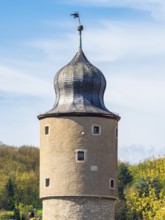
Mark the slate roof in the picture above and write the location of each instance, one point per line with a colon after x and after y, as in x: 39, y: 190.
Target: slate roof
x: 79, y: 88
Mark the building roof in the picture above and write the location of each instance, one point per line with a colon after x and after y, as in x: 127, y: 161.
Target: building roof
x: 79, y: 88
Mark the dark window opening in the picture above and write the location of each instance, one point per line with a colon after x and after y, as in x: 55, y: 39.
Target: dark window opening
x: 46, y: 129
x: 96, y: 130
x: 80, y: 155
x: 47, y: 182
x: 116, y: 132
x: 112, y: 184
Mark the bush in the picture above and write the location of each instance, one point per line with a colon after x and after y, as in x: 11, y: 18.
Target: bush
x: 16, y: 214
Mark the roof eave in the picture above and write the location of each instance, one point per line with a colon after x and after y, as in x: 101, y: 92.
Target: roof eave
x: 80, y: 114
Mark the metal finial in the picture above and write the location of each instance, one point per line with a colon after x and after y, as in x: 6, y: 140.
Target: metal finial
x: 79, y: 28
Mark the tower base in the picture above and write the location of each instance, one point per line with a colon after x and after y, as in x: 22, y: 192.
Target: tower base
x: 78, y: 208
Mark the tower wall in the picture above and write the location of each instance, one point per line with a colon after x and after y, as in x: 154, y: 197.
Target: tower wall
x: 78, y: 208
x: 77, y: 187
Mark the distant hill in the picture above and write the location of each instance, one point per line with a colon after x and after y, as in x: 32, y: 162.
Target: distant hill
x: 1, y: 142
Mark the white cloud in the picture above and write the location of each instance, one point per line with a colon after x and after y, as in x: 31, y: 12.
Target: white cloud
x: 109, y: 41
x: 140, y: 103
x: 138, y: 153
x: 118, y: 40
x: 128, y: 90
x: 14, y: 81
x: 155, y: 7
x: 58, y: 24
x: 54, y: 49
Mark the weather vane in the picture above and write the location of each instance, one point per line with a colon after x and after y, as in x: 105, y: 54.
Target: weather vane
x: 80, y: 27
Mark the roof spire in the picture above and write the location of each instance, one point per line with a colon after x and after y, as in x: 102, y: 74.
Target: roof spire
x: 79, y: 28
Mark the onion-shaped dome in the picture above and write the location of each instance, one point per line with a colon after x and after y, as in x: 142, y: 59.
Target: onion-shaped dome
x: 79, y: 88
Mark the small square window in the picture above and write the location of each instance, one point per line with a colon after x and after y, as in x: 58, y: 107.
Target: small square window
x: 47, y: 182
x: 80, y: 155
x: 46, y: 130
x: 96, y: 130
x: 112, y: 183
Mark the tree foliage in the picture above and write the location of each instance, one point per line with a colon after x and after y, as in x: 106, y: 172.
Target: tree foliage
x: 146, y: 197
x: 124, y: 178
x: 9, y: 195
x: 19, y: 182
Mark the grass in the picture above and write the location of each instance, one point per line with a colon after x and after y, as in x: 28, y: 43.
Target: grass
x: 5, y: 215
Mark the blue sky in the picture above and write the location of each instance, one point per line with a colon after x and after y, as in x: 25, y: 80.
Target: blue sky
x: 123, y: 38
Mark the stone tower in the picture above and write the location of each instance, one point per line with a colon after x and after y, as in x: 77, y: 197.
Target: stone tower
x: 78, y: 146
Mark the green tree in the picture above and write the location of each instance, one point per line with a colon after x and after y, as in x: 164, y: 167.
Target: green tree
x: 143, y: 183
x: 9, y: 191
x: 121, y: 210
x: 124, y: 178
x: 21, y: 166
x: 27, y: 189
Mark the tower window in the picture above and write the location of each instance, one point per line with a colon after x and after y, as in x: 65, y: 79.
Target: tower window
x: 47, y: 182
x: 96, y: 130
x: 80, y: 155
x: 46, y: 130
x: 112, y: 184
x: 116, y: 132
